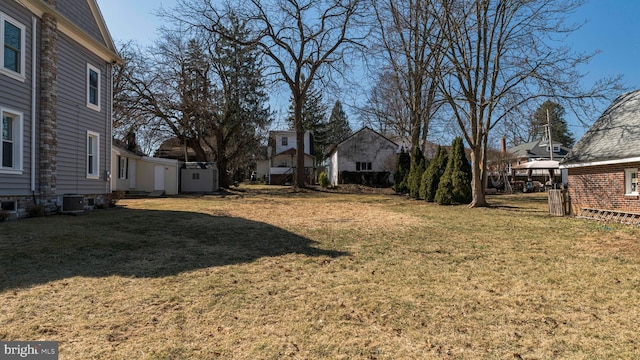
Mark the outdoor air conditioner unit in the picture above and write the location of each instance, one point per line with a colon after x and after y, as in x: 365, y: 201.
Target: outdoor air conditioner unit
x: 72, y: 203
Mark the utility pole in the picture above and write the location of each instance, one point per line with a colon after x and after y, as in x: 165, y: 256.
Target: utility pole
x: 549, y: 132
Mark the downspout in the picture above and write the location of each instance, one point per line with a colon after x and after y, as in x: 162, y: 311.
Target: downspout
x: 109, y: 128
x: 34, y: 23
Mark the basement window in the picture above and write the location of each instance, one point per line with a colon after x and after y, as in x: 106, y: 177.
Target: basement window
x: 9, y: 206
x: 631, y: 182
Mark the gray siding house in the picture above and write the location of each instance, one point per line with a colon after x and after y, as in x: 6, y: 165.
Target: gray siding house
x: 55, y: 104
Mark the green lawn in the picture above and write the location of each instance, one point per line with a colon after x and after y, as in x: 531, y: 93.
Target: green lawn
x: 269, y: 274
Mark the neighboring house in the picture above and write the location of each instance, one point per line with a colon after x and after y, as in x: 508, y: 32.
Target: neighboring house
x: 134, y: 172
x: 603, y: 165
x: 520, y: 156
x: 282, y: 155
x: 174, y: 148
x: 364, y: 151
x: 55, y: 104
x: 537, y: 150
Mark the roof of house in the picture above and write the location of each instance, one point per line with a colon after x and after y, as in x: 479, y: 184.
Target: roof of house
x: 95, y: 37
x: 365, y: 128
x: 124, y: 148
x: 615, y: 136
x: 292, y: 152
x: 536, y: 149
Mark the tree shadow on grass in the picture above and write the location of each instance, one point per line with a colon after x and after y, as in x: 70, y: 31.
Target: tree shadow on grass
x: 138, y: 243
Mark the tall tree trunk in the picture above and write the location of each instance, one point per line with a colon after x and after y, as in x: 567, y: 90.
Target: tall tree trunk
x: 477, y: 181
x: 300, y: 177
x: 222, y: 161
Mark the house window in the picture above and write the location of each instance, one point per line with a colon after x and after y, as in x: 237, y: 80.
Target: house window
x: 363, y: 166
x: 195, y: 176
x: 284, y: 163
x: 93, y: 87
x: 631, y: 181
x: 12, y: 34
x: 285, y: 141
x: 11, y: 137
x: 9, y: 206
x: 93, y: 154
x: 123, y: 167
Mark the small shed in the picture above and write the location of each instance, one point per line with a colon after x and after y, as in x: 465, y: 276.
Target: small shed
x: 199, y: 177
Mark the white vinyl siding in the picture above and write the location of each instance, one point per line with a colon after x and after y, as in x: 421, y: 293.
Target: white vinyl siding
x: 12, y: 48
x: 93, y: 87
x: 93, y: 155
x: 11, y: 149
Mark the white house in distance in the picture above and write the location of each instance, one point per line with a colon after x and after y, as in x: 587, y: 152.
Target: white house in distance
x: 364, y: 151
x: 134, y: 172
x: 282, y: 154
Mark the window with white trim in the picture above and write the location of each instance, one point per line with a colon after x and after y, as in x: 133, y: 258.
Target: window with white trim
x: 93, y: 155
x: 285, y: 141
x: 631, y: 181
x: 11, y: 138
x: 363, y: 166
x: 123, y: 167
x: 93, y: 87
x: 12, y: 46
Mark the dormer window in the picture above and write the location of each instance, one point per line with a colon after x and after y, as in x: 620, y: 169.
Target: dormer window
x: 556, y: 148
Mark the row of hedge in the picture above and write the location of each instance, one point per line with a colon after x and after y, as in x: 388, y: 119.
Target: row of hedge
x: 367, y: 178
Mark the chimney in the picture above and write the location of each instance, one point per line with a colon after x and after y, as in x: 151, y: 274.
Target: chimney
x: 130, y: 140
x: 503, y: 145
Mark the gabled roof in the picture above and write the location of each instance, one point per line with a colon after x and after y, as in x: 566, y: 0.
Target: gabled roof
x: 536, y: 149
x: 291, y: 151
x: 365, y: 128
x: 101, y: 45
x: 123, y: 149
x: 614, y: 137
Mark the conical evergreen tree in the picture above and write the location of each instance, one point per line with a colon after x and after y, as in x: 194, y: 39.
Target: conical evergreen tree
x: 433, y: 173
x: 400, y: 177
x: 455, y: 184
x: 415, y: 173
x: 338, y: 127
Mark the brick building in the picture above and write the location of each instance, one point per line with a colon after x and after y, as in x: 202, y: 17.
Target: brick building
x: 603, y: 165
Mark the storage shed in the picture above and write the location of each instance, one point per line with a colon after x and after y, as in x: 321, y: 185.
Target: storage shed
x: 199, y: 177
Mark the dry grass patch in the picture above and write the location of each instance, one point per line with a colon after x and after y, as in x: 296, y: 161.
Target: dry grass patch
x: 307, y: 275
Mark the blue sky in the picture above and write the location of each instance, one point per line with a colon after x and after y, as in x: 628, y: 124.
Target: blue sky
x: 612, y: 28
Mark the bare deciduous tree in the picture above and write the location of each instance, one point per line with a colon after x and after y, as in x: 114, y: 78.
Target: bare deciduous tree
x: 411, y: 44
x: 501, y: 55
x: 208, y: 93
x: 305, y: 40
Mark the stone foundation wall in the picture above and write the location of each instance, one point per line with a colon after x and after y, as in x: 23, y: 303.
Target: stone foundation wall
x: 51, y: 205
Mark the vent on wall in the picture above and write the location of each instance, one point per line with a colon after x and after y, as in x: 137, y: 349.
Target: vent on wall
x: 72, y: 203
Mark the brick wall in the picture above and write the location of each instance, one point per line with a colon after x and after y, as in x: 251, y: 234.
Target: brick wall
x: 601, y: 187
